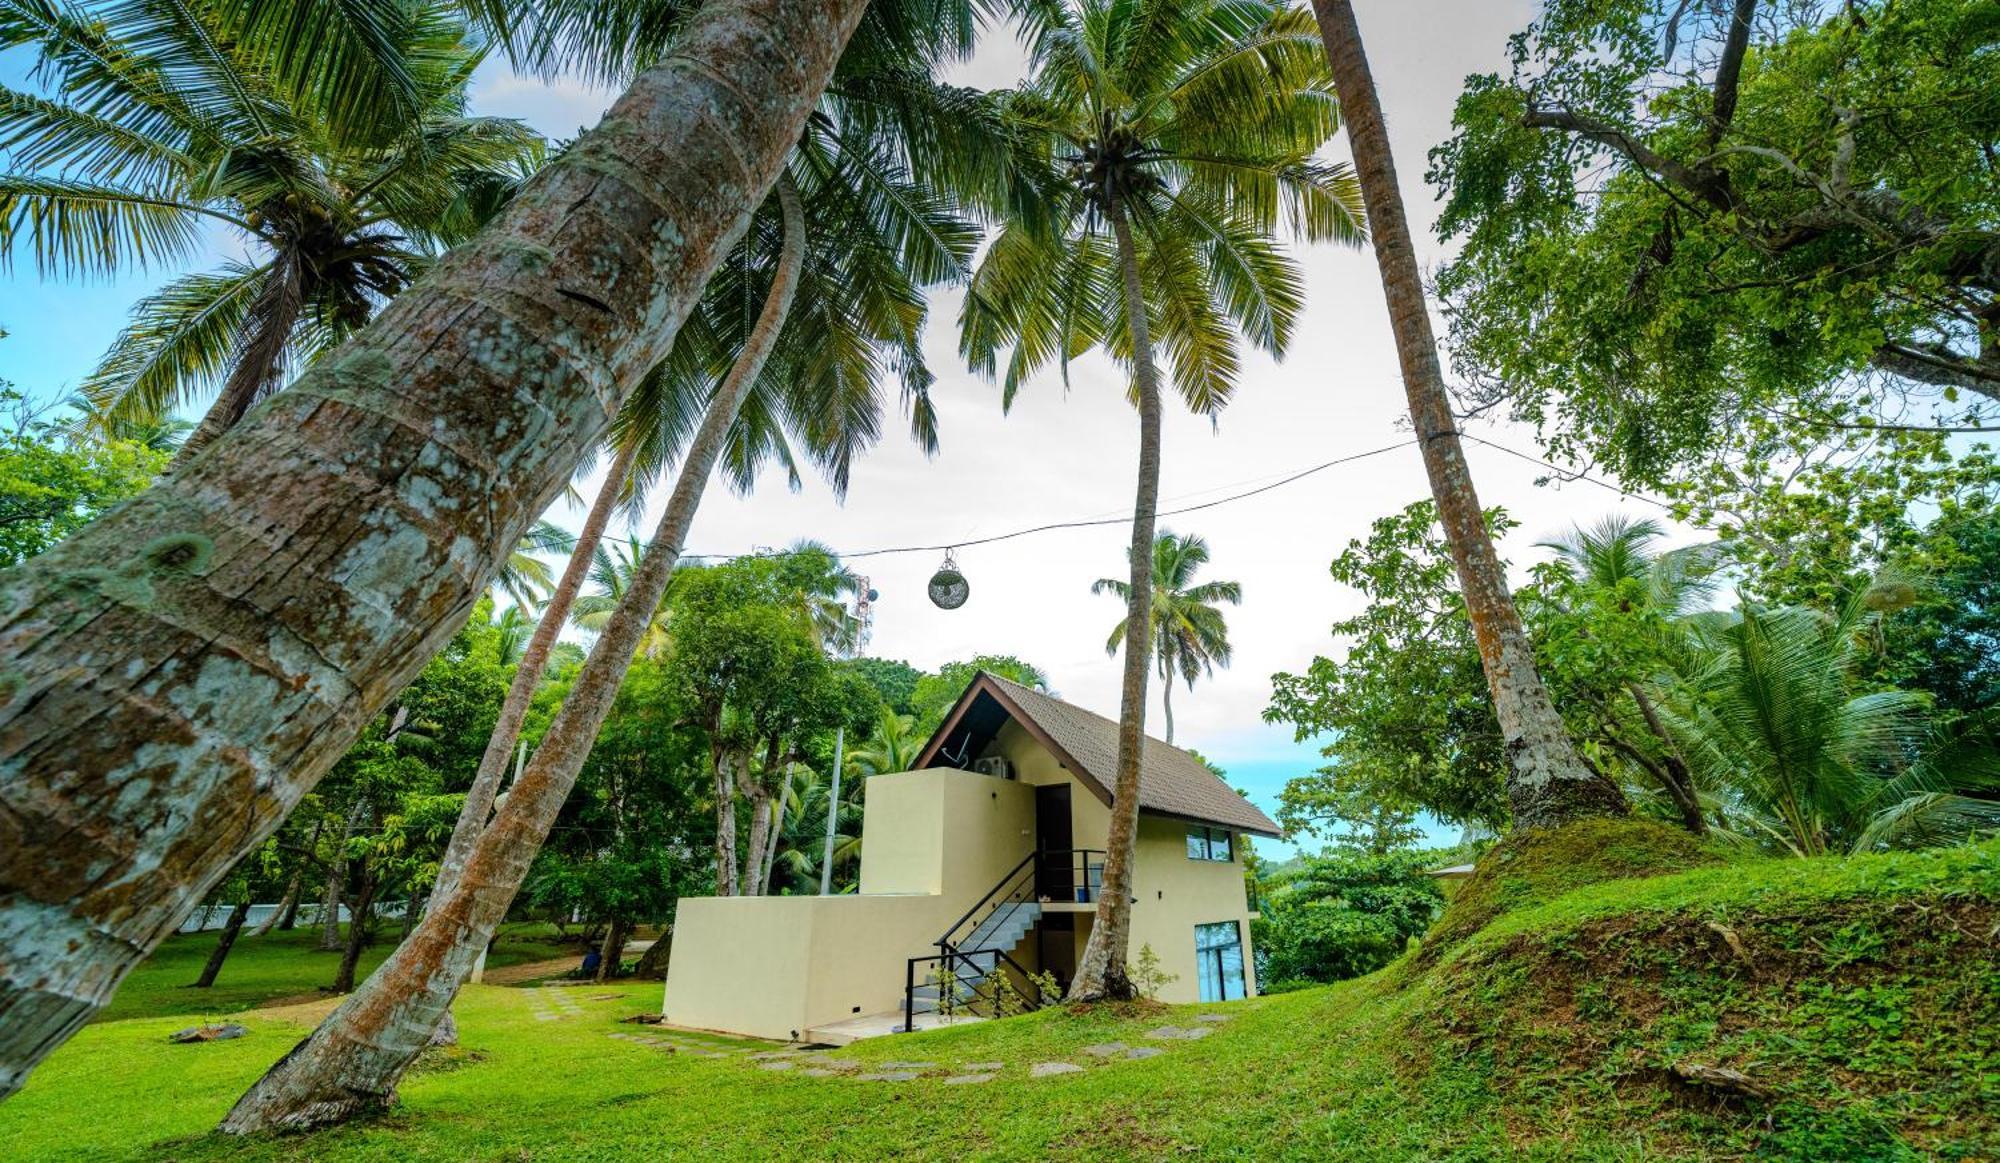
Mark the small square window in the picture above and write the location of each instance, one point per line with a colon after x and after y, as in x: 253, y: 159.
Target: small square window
x: 1204, y: 843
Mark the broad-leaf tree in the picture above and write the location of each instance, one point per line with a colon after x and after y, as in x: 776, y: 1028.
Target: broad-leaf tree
x: 1547, y: 782
x: 1190, y: 636
x: 1163, y: 144
x: 1702, y: 230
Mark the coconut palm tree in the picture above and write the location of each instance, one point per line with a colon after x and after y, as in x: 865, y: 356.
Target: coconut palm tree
x: 343, y: 177
x: 1165, y: 143
x: 892, y: 746
x: 1190, y: 636
x: 1650, y: 596
x: 1548, y: 782
x: 525, y: 577
x: 1771, y: 717
x: 371, y: 504
x: 354, y: 1059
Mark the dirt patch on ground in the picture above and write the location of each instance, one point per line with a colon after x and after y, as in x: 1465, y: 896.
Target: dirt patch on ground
x: 528, y: 971
x: 306, y: 1009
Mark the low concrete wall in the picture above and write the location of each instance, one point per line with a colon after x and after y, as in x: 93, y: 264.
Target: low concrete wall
x: 775, y: 967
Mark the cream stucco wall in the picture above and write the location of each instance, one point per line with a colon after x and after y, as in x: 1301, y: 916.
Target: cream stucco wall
x: 776, y: 967
x: 1175, y: 893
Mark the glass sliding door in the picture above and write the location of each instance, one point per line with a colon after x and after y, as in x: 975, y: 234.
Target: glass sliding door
x: 1218, y: 957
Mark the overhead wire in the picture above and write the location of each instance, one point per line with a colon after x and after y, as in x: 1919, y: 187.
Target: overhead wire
x: 1125, y: 518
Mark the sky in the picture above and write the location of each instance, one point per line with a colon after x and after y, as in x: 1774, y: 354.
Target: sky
x: 1065, y: 455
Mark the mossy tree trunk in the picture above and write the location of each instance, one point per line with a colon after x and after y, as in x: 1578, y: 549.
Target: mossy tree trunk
x: 1101, y: 972
x: 350, y: 1065
x: 183, y: 671
x: 1547, y: 782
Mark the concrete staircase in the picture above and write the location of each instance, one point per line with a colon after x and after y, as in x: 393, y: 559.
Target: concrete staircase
x: 980, y: 954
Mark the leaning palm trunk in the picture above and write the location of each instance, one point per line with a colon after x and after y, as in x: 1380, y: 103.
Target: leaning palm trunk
x: 183, y: 671
x: 493, y: 762
x: 275, y: 313
x: 1547, y: 782
x: 1102, y: 971
x: 351, y: 1064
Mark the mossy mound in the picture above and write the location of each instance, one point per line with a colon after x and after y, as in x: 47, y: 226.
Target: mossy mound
x: 1834, y: 1009
x: 1537, y: 866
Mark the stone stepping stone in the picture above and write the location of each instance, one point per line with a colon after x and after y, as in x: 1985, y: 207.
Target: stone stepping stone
x: 1197, y: 1033
x: 819, y: 1072
x: 970, y: 1079
x: 839, y: 1066
x: 1167, y: 1032
x: 909, y: 1065
x: 887, y: 1076
x: 1050, y: 1069
x: 778, y: 1065
x: 1105, y: 1049
x: 981, y: 1067
x: 776, y: 1054
x: 1144, y: 1052
x: 1211, y: 1017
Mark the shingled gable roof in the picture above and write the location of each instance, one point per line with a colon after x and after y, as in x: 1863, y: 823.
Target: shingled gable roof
x: 1171, y: 782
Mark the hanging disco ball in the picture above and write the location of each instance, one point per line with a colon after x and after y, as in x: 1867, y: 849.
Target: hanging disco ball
x: 949, y: 588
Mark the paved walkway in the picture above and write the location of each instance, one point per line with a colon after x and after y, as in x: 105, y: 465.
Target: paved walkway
x: 806, y: 1063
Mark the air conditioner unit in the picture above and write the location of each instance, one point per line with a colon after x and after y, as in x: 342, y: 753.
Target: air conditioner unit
x: 995, y: 766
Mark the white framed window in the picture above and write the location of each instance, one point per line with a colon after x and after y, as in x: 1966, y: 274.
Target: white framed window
x: 1205, y: 843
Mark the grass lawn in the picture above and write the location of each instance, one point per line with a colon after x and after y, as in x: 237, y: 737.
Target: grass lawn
x: 276, y: 966
x: 1864, y: 994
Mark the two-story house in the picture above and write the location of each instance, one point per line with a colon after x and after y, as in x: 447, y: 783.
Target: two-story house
x: 983, y: 863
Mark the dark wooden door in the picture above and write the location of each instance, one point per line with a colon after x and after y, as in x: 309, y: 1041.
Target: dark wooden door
x: 1052, y: 836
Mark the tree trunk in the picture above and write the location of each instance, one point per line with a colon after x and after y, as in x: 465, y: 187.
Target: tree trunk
x: 612, y: 951
x: 275, y: 312
x: 184, y: 670
x: 759, y: 796
x: 287, y: 904
x: 1675, y: 775
x: 357, y: 930
x: 1167, y: 700
x: 653, y: 963
x: 336, y: 882
x: 329, y: 909
x: 230, y: 929
x: 528, y: 676
x: 351, y: 1064
x: 1101, y: 973
x: 1547, y: 783
x: 725, y: 826
x: 777, y: 831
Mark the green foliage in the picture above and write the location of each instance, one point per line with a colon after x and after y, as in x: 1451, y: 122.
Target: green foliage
x: 894, y: 679
x: 1146, y: 974
x: 1667, y: 261
x: 935, y: 693
x: 342, y: 150
x: 1407, y: 712
x: 54, y: 480
x: 1342, y: 915
x: 1869, y: 1005
x: 1537, y: 866
x: 1197, y: 126
x: 1190, y: 635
